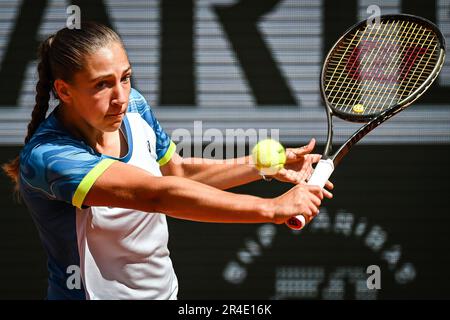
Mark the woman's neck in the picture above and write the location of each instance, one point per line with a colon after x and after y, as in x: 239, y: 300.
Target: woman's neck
x: 104, y: 142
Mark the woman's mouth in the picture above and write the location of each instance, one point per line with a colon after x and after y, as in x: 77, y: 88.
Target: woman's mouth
x: 114, y: 115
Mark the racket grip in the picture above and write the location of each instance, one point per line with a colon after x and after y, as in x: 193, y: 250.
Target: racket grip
x: 320, y: 176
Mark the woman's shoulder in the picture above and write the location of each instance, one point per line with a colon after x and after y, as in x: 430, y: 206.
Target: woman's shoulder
x: 50, y: 142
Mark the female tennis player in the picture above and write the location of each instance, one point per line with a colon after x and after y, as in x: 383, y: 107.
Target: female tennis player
x: 99, y: 175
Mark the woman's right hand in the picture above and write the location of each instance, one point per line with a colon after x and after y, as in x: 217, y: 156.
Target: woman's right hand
x: 301, y: 199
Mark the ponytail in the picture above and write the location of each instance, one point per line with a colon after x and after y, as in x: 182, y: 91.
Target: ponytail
x: 43, y: 88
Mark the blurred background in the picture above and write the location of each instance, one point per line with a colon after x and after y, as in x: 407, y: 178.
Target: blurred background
x: 244, y: 65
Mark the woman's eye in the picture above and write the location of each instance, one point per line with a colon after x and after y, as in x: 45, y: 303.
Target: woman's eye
x: 101, y: 85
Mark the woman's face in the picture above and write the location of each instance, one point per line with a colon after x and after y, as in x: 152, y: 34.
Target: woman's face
x: 99, y: 93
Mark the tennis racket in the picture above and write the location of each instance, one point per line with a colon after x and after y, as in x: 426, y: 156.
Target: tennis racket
x: 373, y: 72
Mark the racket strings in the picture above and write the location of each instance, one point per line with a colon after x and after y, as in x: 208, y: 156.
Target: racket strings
x: 348, y: 88
x: 376, y: 67
x: 369, y: 83
x: 389, y: 63
x: 386, y: 99
x: 403, y: 90
x: 363, y: 85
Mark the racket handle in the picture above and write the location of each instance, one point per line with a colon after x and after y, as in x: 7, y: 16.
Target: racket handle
x: 320, y: 176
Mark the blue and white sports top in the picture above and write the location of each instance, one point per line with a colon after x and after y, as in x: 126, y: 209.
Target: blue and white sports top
x: 119, y: 253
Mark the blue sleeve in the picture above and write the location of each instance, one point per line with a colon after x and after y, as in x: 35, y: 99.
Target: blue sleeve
x: 164, y: 146
x: 56, y: 170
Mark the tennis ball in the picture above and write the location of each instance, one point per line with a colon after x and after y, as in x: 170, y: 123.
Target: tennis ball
x: 358, y: 108
x: 269, y: 156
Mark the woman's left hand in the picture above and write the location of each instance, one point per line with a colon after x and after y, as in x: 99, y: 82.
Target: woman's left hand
x: 298, y: 167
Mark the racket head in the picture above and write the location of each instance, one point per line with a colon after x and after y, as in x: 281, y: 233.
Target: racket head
x: 379, y: 69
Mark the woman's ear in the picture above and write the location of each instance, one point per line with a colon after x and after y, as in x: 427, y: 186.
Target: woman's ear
x: 62, y: 91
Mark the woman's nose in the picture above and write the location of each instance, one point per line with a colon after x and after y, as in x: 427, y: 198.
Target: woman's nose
x: 120, y: 95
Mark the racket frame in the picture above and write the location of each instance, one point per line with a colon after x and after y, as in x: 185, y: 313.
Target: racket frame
x: 374, y: 120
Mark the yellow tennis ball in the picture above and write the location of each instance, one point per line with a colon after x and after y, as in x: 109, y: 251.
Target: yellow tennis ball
x: 358, y: 108
x: 269, y: 156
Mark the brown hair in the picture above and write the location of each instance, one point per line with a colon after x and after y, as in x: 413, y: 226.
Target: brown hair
x: 60, y: 56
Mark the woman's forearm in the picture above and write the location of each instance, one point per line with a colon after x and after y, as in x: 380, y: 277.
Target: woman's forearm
x: 187, y: 199
x: 221, y: 174
x: 127, y: 186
